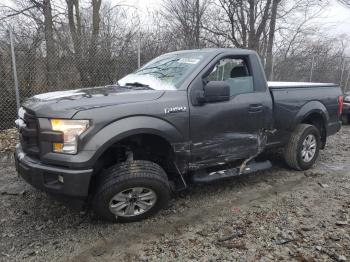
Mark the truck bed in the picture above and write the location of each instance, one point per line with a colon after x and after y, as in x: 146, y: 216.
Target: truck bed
x: 292, y: 100
x: 273, y: 84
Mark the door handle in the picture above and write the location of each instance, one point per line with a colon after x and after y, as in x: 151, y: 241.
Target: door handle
x: 255, y: 108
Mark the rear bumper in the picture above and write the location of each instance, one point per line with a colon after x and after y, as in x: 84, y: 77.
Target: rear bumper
x: 53, y: 179
x: 346, y: 108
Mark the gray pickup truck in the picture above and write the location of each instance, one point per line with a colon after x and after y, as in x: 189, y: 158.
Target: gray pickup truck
x: 185, y: 117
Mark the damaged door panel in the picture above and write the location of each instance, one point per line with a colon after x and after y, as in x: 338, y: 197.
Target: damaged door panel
x: 226, y: 148
x: 226, y: 131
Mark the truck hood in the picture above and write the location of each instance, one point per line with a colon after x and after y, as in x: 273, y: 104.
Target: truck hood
x: 64, y: 104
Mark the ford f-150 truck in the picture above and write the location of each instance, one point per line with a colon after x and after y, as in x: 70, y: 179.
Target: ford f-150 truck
x: 185, y: 117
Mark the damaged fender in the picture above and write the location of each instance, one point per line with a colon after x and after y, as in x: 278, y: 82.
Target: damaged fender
x: 126, y: 127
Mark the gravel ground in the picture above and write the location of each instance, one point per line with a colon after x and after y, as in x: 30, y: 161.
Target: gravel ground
x: 8, y: 140
x: 278, y: 214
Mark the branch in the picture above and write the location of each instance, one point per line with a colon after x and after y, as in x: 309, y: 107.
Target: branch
x: 345, y: 2
x: 17, y: 12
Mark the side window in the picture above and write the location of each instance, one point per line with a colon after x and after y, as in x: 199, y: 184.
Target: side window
x: 235, y: 72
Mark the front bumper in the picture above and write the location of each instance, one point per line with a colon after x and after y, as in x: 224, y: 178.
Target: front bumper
x: 53, y: 179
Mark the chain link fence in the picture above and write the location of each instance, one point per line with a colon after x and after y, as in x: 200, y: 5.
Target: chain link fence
x: 69, y: 67
x: 7, y: 93
x: 37, y: 73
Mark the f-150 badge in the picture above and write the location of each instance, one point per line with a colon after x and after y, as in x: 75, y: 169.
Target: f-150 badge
x: 175, y: 109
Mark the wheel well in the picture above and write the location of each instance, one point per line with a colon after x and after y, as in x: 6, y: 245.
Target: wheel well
x: 317, y: 120
x: 143, y: 147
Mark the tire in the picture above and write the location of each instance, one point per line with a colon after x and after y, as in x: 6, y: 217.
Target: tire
x: 293, y: 152
x: 345, y: 119
x: 122, y: 184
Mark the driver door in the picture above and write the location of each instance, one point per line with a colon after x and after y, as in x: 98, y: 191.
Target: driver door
x: 226, y: 131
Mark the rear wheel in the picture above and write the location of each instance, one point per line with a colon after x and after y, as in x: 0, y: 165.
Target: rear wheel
x: 131, y: 191
x: 303, y: 147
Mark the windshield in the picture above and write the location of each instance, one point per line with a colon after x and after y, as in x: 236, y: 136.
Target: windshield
x: 164, y: 72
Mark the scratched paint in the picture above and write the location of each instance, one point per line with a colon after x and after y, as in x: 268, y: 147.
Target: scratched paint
x: 223, y: 148
x: 220, y: 150
x: 262, y: 140
x: 182, y: 152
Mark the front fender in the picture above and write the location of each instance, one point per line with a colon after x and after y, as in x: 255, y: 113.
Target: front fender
x: 112, y: 133
x: 126, y: 127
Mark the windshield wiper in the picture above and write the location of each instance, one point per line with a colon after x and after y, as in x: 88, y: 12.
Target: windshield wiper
x: 137, y: 84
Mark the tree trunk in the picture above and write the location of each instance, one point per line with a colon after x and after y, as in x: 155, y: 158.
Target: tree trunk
x: 76, y: 34
x: 271, y: 37
x: 96, y: 5
x: 256, y: 31
x: 51, y: 54
x: 198, y: 17
x: 252, y: 42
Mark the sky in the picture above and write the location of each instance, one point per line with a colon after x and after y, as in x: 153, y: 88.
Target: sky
x: 336, y: 18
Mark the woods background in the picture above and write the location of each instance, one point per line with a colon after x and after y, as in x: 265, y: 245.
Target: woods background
x: 67, y: 44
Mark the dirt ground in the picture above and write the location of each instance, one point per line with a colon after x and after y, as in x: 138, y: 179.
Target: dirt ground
x: 278, y: 214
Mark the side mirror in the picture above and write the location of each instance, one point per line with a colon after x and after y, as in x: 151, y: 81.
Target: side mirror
x: 214, y: 91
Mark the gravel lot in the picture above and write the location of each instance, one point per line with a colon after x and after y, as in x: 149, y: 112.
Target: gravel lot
x: 268, y: 216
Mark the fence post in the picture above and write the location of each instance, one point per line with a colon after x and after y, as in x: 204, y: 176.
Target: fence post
x: 347, y: 81
x: 272, y: 76
x: 312, y: 68
x: 342, y: 73
x: 14, y: 68
x: 139, y: 50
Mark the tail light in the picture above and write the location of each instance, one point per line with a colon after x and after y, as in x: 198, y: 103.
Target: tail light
x: 340, y: 105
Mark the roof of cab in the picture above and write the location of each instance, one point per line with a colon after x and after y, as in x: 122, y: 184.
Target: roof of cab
x: 213, y: 51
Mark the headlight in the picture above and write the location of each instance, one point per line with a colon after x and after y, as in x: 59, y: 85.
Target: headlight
x: 347, y: 99
x: 71, y: 130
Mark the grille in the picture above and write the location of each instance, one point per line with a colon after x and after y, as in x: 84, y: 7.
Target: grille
x: 28, y: 133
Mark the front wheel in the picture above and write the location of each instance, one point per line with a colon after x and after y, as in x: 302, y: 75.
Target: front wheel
x: 303, y: 147
x: 131, y: 191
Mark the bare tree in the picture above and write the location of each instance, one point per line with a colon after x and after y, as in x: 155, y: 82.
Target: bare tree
x: 96, y: 5
x: 313, y: 50
x: 243, y: 24
x: 75, y: 27
x: 256, y: 24
x: 43, y: 18
x: 185, y: 18
x: 271, y: 38
x: 345, y: 2
x: 92, y: 42
x: 51, y: 55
